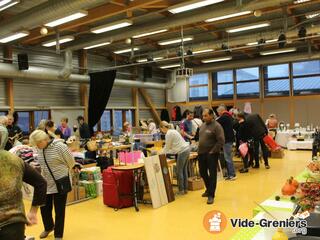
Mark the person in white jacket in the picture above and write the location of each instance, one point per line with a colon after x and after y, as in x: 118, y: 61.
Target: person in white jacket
x: 175, y: 144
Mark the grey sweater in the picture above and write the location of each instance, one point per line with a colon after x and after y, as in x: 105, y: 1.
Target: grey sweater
x: 211, y: 138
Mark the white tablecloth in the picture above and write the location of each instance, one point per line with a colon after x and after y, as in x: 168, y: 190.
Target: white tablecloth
x: 293, y: 144
x: 283, y: 137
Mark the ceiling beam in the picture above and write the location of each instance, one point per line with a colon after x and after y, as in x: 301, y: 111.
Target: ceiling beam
x: 94, y: 14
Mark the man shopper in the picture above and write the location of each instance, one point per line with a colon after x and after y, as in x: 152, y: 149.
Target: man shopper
x: 211, y: 140
x: 226, y: 121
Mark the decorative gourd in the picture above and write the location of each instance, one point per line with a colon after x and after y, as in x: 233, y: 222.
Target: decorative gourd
x: 295, y: 183
x: 288, y: 189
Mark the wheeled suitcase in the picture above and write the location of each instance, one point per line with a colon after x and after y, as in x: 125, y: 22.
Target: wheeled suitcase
x: 117, y: 188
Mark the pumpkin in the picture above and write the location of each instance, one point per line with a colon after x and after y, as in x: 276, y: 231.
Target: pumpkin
x: 288, y: 189
x: 295, y: 183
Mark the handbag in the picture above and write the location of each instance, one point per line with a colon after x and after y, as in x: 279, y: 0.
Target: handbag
x: 243, y: 149
x: 63, y: 184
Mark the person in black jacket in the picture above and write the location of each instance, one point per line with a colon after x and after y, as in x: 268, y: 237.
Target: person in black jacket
x: 258, y: 131
x: 226, y: 121
x: 84, y: 129
x: 245, y: 136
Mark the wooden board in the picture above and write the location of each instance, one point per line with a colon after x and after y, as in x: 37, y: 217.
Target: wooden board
x: 166, y: 178
x: 155, y: 181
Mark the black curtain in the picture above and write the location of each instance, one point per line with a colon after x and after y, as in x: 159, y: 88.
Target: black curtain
x: 101, y: 84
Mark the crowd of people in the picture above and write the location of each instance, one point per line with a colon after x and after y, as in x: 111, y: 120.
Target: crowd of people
x: 212, y: 136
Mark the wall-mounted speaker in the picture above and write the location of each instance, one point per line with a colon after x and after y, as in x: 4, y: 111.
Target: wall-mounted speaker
x: 23, y: 62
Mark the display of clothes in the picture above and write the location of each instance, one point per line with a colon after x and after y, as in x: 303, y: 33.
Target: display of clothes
x: 165, y: 115
x: 197, y: 111
x: 176, y: 113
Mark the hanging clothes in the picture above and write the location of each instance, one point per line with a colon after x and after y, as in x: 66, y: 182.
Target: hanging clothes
x: 198, y: 111
x: 165, y: 115
x: 176, y: 114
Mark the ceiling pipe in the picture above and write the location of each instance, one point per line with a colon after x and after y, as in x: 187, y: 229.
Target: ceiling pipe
x: 265, y: 60
x: 45, y: 13
x: 175, y: 21
x: 67, y: 68
x: 46, y: 74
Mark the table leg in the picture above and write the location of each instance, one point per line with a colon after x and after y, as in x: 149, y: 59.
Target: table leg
x: 135, y: 191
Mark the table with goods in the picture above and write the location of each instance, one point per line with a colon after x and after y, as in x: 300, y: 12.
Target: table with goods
x: 299, y: 195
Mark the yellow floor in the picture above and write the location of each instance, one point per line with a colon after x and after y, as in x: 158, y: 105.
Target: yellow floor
x: 181, y: 219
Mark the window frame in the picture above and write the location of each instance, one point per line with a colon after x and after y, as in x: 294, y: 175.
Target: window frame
x: 248, y: 95
x: 203, y: 98
x: 266, y: 79
x: 215, y: 85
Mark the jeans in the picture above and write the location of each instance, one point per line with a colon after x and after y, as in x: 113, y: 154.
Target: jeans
x: 264, y: 151
x: 227, y: 152
x: 208, y: 171
x: 59, y: 201
x: 13, y: 231
x: 182, y: 170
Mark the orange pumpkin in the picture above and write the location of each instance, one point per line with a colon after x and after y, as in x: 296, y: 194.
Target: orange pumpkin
x: 294, y: 182
x: 288, y: 189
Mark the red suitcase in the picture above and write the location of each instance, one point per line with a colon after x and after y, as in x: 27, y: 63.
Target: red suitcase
x: 117, y: 188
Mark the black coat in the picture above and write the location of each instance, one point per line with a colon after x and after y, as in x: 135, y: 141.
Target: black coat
x: 226, y: 121
x: 256, y: 125
x: 84, y: 131
x: 244, y: 132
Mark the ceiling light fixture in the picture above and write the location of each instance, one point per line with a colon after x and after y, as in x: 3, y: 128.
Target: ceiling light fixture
x: 282, y: 40
x: 97, y: 45
x: 285, y: 50
x: 309, y: 16
x: 191, y: 5
x: 212, y: 60
x: 267, y: 41
x: 232, y: 15
x: 112, y: 26
x: 170, y: 66
x: 301, y: 1
x: 3, y: 5
x: 248, y: 27
x: 126, y: 50
x: 146, y: 60
x: 173, y: 41
x: 150, y: 33
x: 14, y: 36
x: 66, y: 19
x: 62, y: 40
x: 203, y: 51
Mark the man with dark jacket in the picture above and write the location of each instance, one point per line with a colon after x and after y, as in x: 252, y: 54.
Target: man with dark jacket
x: 226, y: 121
x: 211, y: 140
x: 258, y: 131
x: 84, y: 129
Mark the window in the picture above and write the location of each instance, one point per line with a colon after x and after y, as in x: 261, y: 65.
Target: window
x: 247, y: 82
x: 117, y: 123
x: 24, y: 122
x: 276, y: 80
x: 129, y: 117
x: 106, y: 121
x: 306, y: 77
x: 3, y: 113
x: 222, y: 84
x: 198, y: 86
x: 39, y: 115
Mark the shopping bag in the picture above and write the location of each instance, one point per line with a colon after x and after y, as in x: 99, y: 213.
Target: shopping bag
x: 243, y: 149
x: 268, y: 140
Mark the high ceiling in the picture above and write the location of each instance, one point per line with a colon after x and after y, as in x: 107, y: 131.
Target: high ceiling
x: 280, y: 16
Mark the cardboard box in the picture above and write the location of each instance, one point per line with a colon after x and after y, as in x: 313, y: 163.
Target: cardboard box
x: 71, y: 196
x: 277, y: 154
x: 82, y: 192
x: 195, y: 183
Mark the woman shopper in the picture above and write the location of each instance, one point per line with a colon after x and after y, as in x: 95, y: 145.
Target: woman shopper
x: 12, y: 216
x: 175, y: 144
x: 56, y: 161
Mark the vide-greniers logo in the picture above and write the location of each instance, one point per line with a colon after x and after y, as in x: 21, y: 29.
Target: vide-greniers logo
x: 215, y: 222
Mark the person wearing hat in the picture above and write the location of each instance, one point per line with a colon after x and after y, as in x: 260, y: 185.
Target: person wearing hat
x: 152, y: 128
x: 175, y: 144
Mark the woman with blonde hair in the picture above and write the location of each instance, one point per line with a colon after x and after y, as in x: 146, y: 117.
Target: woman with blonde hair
x: 56, y: 161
